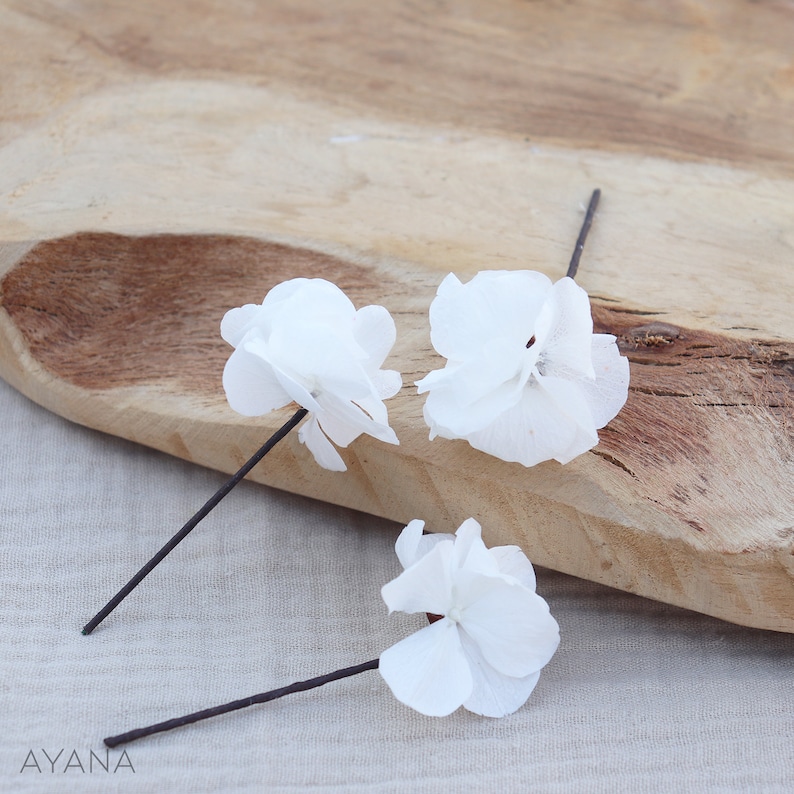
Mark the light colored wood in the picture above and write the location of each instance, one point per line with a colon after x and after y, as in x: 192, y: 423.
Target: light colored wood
x: 386, y: 145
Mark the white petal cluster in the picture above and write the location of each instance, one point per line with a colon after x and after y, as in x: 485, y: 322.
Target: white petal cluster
x: 526, y: 379
x: 307, y: 343
x: 495, y: 633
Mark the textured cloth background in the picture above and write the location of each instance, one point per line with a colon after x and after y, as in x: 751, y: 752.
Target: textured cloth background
x: 273, y: 588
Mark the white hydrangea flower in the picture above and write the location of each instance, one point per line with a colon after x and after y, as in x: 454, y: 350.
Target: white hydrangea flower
x: 526, y: 379
x: 307, y: 343
x: 495, y: 633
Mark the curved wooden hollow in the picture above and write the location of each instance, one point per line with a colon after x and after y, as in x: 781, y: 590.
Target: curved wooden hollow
x: 687, y: 499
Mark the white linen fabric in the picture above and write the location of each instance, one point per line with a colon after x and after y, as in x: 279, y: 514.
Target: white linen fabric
x: 273, y: 588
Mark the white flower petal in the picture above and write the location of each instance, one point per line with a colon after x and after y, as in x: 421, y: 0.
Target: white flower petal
x: 510, y: 624
x: 255, y: 345
x: 344, y: 421
x: 494, y: 694
x: 513, y: 562
x: 315, y: 301
x: 466, y: 397
x: 533, y: 431
x: 564, y: 332
x: 316, y: 442
x: 407, y: 544
x: 237, y: 322
x: 375, y: 332
x: 251, y: 386
x: 320, y: 359
x: 340, y: 425
x: 387, y: 383
x: 297, y: 392
x: 493, y: 363
x: 425, y: 586
x: 428, y: 670
x: 569, y: 400
x: 283, y: 291
x: 470, y: 552
x: 494, y: 303
x: 374, y: 408
x: 608, y: 394
x: 413, y: 544
x: 448, y: 417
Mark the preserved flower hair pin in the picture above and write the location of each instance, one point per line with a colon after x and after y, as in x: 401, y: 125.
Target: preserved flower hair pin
x: 306, y: 343
x: 526, y: 379
x: 489, y: 635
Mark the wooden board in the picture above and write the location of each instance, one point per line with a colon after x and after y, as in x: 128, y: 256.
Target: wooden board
x: 161, y: 164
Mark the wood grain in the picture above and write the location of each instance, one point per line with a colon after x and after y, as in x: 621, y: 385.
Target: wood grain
x: 701, y: 80
x: 161, y: 163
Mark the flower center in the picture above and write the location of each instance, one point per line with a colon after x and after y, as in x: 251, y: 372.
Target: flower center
x: 454, y: 615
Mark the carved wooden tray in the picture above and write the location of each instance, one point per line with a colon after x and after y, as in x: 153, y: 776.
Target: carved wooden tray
x: 152, y: 180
